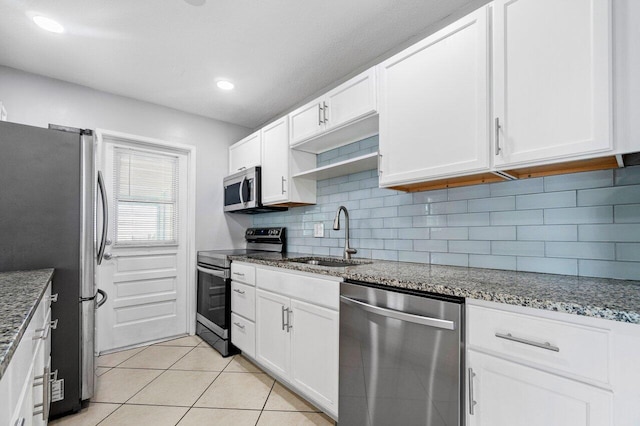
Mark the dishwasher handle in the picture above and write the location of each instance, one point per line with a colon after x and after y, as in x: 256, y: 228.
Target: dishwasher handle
x: 402, y: 316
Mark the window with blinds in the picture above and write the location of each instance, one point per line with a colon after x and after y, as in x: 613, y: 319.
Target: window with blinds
x: 145, y: 198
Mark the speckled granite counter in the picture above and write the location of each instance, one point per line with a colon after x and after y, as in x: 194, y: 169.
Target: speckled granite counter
x: 20, y: 293
x: 595, y: 297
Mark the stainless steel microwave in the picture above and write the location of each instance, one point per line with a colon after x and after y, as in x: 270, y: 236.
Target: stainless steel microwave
x: 243, y: 193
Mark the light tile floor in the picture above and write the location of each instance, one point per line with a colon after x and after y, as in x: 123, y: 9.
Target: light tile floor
x: 187, y: 383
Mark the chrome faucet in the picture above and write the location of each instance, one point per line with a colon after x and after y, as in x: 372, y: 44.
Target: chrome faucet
x: 348, y: 251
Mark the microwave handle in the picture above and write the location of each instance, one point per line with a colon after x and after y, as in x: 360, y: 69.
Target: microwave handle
x: 244, y: 179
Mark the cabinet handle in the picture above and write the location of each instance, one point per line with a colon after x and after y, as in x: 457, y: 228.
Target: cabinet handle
x: 53, y: 298
x: 44, y: 407
x: 239, y: 325
x: 324, y: 113
x: 20, y: 422
x: 283, y: 309
x: 241, y: 168
x: 45, y: 331
x: 289, y: 326
x: 472, y: 403
x: 546, y: 345
x: 498, y: 149
x: 238, y: 291
x: 320, y: 111
x: 238, y: 274
x: 282, y: 184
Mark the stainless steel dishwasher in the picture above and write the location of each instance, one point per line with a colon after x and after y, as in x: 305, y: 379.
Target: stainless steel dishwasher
x: 401, y: 357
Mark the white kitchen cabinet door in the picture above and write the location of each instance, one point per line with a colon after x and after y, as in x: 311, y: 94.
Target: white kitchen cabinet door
x: 354, y: 99
x: 551, y: 80
x: 434, y: 105
x: 273, y: 341
x: 314, y: 346
x: 245, y: 154
x: 275, y: 162
x: 509, y: 394
x: 306, y: 122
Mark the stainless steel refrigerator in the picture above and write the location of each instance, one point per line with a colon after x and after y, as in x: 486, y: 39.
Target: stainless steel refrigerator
x: 48, y: 194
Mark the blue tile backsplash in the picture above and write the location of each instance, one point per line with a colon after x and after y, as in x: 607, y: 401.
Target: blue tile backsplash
x: 577, y: 224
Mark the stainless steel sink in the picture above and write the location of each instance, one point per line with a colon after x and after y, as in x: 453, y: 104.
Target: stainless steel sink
x: 331, y: 263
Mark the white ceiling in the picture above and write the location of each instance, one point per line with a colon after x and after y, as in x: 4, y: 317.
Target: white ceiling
x: 277, y: 52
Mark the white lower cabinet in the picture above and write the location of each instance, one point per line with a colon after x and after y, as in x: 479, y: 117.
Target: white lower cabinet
x: 509, y: 394
x: 297, y: 326
x: 25, y: 384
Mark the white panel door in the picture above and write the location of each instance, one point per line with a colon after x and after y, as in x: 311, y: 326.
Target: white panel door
x: 509, y: 394
x: 551, y: 79
x: 146, y: 282
x: 354, y: 99
x: 306, y: 122
x: 245, y: 154
x: 275, y: 162
x: 273, y: 342
x: 314, y: 347
x: 434, y: 105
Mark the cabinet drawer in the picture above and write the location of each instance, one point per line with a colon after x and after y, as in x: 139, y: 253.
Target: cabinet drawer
x: 243, y: 334
x: 572, y: 349
x: 318, y: 291
x: 243, y: 300
x: 243, y: 273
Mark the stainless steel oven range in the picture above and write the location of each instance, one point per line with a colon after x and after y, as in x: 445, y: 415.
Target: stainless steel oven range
x: 213, y: 314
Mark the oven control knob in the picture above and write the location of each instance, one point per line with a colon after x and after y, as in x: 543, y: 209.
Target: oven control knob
x: 250, y: 232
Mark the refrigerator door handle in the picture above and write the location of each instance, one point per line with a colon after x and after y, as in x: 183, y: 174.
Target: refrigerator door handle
x: 105, y: 217
x: 103, y: 300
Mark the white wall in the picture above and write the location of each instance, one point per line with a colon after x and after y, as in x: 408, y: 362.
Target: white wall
x: 36, y: 100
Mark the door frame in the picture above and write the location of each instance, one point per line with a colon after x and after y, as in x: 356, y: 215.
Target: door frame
x: 190, y: 244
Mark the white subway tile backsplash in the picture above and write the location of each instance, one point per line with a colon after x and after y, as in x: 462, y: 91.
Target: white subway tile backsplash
x: 492, y: 204
x: 453, y: 259
x: 524, y: 217
x: 609, y: 269
x: 578, y: 215
x: 468, y: 219
x: 569, y: 224
x: 578, y: 250
x: 469, y: 192
x: 515, y: 187
x: 546, y: 200
x: 613, y: 233
x: 448, y: 207
x: 609, y: 196
x: 450, y: 233
x: 476, y: 247
x: 586, y: 180
x: 628, y: 251
x: 518, y: 248
x: 548, y: 233
x: 492, y: 262
x: 548, y: 265
x: 628, y: 213
x: 492, y: 233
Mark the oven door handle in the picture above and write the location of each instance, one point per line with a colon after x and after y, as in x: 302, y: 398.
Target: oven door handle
x: 215, y: 273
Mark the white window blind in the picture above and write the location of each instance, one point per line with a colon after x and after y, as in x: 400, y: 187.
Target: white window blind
x: 145, y: 198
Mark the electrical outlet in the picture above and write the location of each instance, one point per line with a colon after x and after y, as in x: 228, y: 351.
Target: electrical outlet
x: 318, y: 230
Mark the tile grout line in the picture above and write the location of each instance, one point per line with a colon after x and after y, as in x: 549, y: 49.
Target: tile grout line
x: 108, y: 415
x: 265, y: 402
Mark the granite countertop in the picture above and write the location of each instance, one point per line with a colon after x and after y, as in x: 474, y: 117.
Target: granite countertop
x: 616, y: 300
x: 20, y: 293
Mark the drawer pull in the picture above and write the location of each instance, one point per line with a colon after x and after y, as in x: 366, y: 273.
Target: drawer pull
x: 238, y: 274
x: 546, y: 345
x: 238, y: 291
x: 472, y: 402
x: 53, y: 298
x: 52, y: 325
x: 239, y: 325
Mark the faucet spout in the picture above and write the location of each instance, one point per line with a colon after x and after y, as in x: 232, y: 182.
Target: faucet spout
x: 348, y: 251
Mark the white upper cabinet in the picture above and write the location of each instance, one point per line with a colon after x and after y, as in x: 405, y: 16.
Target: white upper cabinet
x: 551, y: 80
x: 245, y: 154
x: 347, y: 103
x: 275, y: 162
x: 434, y: 105
x: 278, y: 165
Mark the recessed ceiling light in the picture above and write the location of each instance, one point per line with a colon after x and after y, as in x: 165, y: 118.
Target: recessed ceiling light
x: 225, y: 85
x: 48, y: 24
x: 196, y: 2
